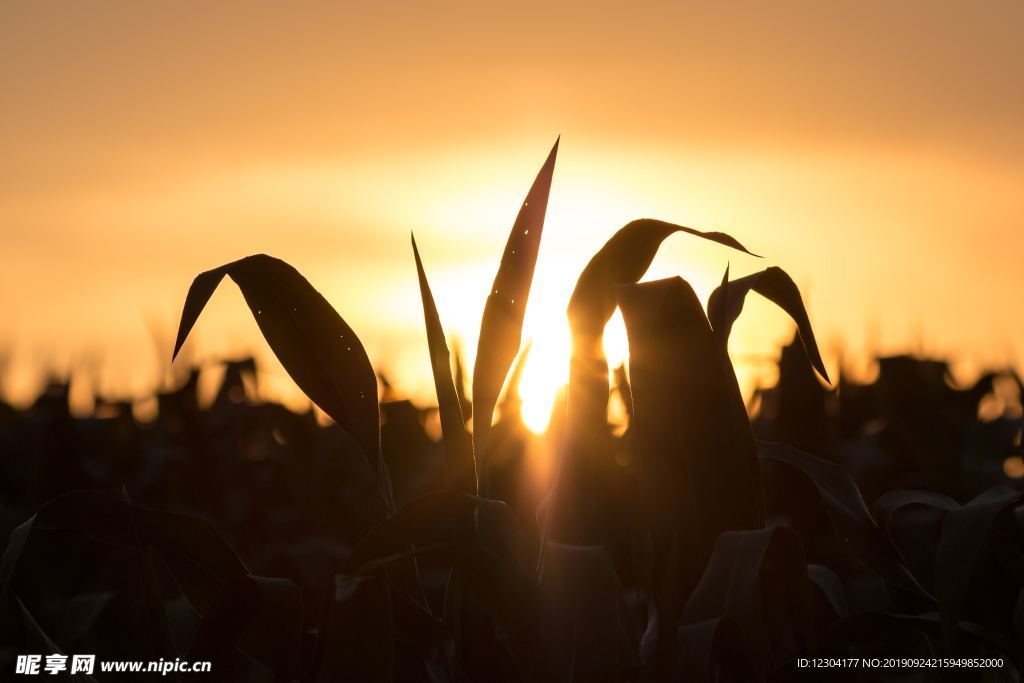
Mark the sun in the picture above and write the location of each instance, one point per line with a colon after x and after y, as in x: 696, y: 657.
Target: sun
x: 583, y: 202
x: 547, y: 368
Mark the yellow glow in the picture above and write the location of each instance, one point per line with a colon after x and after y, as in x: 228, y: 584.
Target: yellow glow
x: 538, y: 397
x: 616, y: 343
x: 1013, y: 467
x: 830, y: 167
x: 547, y: 369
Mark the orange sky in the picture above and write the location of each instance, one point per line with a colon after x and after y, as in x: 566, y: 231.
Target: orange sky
x: 874, y: 150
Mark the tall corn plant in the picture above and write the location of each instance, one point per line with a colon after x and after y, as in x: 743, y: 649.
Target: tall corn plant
x: 727, y: 596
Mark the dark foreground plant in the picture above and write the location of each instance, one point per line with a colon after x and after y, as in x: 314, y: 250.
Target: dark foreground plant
x: 684, y: 550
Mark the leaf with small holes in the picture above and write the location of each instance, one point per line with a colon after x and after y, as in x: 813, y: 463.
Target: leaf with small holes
x: 314, y: 344
x: 501, y: 327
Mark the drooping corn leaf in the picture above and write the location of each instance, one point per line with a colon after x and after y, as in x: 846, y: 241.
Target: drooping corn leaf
x: 759, y: 579
x: 314, y: 344
x: 698, y: 473
x: 502, y: 323
x: 841, y: 501
x: 726, y: 304
x: 622, y: 260
x: 462, y: 474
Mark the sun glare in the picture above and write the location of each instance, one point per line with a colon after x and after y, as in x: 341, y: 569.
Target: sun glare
x: 585, y: 209
x: 547, y: 369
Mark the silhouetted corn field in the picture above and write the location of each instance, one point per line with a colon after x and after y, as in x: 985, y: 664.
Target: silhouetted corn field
x: 871, y: 520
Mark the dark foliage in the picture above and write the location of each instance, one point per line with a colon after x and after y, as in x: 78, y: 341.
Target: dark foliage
x: 697, y: 545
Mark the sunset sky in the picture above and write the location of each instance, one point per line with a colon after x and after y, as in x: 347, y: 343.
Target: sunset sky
x: 873, y: 150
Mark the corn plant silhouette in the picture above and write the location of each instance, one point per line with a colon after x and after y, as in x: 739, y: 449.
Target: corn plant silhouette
x: 702, y: 555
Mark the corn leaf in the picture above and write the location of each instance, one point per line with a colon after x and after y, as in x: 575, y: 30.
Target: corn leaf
x: 759, y: 579
x: 314, y: 344
x: 502, y: 323
x: 966, y: 531
x: 586, y: 630
x: 726, y: 304
x: 698, y: 474
x: 623, y: 260
x: 839, y: 497
x: 462, y: 474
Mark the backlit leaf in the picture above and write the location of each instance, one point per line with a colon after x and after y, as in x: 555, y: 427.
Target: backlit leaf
x: 314, y: 344
x: 774, y: 284
x: 502, y: 324
x: 462, y: 475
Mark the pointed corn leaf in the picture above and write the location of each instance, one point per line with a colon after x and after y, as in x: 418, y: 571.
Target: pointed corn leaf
x: 462, y: 474
x: 726, y: 304
x: 717, y: 313
x: 314, y: 344
x: 502, y: 324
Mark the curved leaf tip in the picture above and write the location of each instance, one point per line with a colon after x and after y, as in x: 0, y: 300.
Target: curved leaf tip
x: 317, y: 348
x: 773, y: 283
